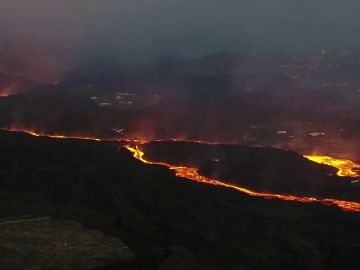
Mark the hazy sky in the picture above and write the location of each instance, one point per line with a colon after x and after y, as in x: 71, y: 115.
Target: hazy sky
x: 185, y: 26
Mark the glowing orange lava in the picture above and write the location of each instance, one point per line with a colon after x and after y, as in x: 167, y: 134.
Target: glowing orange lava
x: 345, y: 169
x: 78, y: 137
x: 54, y: 136
x: 344, y: 166
x: 192, y: 174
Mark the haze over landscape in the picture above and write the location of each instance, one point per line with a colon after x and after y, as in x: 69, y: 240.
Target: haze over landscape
x: 179, y: 134
x: 187, y: 27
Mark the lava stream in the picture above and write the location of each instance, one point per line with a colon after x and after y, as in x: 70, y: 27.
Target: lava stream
x: 54, y: 136
x: 192, y: 174
x: 345, y: 169
x: 344, y: 166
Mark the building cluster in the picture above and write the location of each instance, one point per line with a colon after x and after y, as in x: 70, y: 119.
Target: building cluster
x: 118, y: 99
x: 317, y: 70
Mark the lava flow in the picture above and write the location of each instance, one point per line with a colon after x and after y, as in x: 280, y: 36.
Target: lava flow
x: 345, y: 169
x: 193, y: 175
x: 54, y: 136
x: 344, y: 166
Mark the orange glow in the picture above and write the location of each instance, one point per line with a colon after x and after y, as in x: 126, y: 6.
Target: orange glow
x: 193, y: 175
x: 9, y: 90
x: 79, y: 137
x: 344, y: 166
x: 345, y: 169
x: 54, y: 136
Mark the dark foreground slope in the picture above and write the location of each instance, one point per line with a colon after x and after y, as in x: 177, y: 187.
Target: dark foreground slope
x: 169, y: 223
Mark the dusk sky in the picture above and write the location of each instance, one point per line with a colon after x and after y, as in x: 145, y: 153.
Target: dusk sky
x: 185, y: 27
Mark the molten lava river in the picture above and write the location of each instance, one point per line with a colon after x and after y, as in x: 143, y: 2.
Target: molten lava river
x: 345, y: 169
x: 344, y: 166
